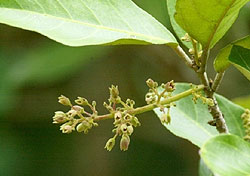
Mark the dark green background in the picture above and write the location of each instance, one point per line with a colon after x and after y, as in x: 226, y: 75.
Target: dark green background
x: 34, y: 71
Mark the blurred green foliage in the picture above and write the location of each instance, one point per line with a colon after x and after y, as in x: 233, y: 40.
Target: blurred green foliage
x: 34, y: 71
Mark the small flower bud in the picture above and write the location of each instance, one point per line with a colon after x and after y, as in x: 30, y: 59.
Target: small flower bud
x: 150, y: 83
x: 86, y: 126
x: 80, y: 128
x: 110, y: 144
x: 124, y: 143
x: 59, y: 117
x: 170, y: 86
x: 150, y: 98
x: 200, y: 54
x: 130, y: 129
x: 135, y: 122
x: 64, y: 101
x: 210, y: 102
x: 186, y: 38
x: 191, y: 51
x: 66, y: 128
x: 165, y: 118
x: 94, y: 103
x: 79, y: 109
x: 114, y: 92
x: 81, y: 101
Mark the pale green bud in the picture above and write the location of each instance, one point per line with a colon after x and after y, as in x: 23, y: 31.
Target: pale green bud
x: 124, y: 143
x: 150, y: 98
x: 86, y: 126
x: 66, y: 128
x: 135, y: 122
x: 80, y: 128
x: 150, y: 83
x: 130, y: 129
x: 186, y: 38
x: 79, y: 109
x: 110, y: 144
x: 210, y: 101
x: 64, y: 101
x: 165, y: 118
x: 81, y: 101
x: 59, y: 117
x: 114, y: 92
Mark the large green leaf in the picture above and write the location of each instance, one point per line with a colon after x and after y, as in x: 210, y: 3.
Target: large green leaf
x: 204, y: 170
x: 86, y: 22
x: 207, y: 21
x: 189, y: 120
x: 240, y: 58
x: 227, y: 155
x: 178, y: 30
x: 222, y: 61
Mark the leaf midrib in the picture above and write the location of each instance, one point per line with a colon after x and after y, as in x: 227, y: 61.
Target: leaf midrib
x: 92, y: 25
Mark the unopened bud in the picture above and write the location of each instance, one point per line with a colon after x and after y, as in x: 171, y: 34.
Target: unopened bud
x: 150, y: 83
x: 135, y: 122
x: 191, y: 51
x: 114, y: 92
x: 80, y: 128
x: 81, y: 101
x: 79, y: 109
x: 64, y: 101
x: 186, y: 38
x: 94, y: 103
x: 124, y: 143
x: 130, y: 129
x: 200, y: 54
x: 210, y: 102
x: 165, y: 118
x: 59, y: 117
x: 110, y: 144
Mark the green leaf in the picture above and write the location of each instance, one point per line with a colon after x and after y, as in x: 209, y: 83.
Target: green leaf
x: 243, y: 101
x: 204, y: 170
x: 227, y: 155
x: 86, y: 22
x: 221, y: 63
x: 178, y: 30
x: 207, y: 21
x: 189, y: 120
x: 240, y: 58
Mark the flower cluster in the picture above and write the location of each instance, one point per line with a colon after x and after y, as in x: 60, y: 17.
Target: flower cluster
x: 155, y: 95
x: 199, y: 95
x: 246, y: 122
x: 124, y: 122
x: 76, y: 118
x: 196, y: 51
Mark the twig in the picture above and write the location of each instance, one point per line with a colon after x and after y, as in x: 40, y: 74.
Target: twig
x: 184, y: 56
x: 217, y: 80
x: 218, y: 119
x: 150, y: 107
